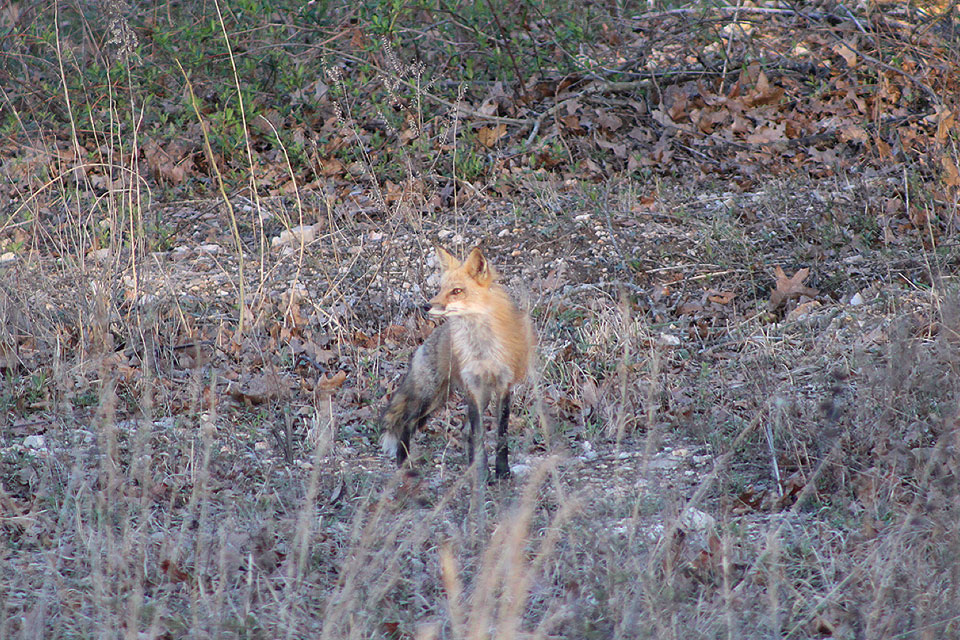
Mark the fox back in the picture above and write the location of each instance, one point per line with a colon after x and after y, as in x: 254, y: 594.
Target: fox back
x: 483, y: 348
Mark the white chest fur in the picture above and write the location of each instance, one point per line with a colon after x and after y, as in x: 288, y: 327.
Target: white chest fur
x: 483, y: 359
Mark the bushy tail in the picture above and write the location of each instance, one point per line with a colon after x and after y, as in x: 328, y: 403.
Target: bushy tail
x: 422, y: 391
x: 394, y: 419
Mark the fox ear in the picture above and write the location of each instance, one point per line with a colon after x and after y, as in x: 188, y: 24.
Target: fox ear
x: 478, y: 268
x: 447, y: 261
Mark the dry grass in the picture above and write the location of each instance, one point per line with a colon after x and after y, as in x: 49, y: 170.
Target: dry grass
x: 649, y: 509
x: 179, y: 458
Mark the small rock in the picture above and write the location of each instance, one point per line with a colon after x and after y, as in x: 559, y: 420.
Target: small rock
x: 8, y: 257
x: 520, y: 470
x: 856, y: 300
x: 36, y: 442
x: 802, y: 311
x: 663, y: 463
x: 165, y: 423
x: 305, y: 233
x: 210, y: 249
x: 695, y: 520
x: 588, y: 452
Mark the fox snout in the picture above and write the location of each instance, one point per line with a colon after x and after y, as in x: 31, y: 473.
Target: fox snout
x: 436, y: 307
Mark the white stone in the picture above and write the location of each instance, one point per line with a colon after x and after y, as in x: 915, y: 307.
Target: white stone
x: 695, y: 520
x: 35, y: 442
x: 305, y: 233
x: 520, y: 470
x: 669, y: 340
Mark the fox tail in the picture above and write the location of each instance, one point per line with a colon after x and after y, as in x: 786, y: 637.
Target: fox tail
x: 424, y: 388
x: 392, y: 421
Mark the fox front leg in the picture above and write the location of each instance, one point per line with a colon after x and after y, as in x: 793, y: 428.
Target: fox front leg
x: 476, y: 452
x: 503, y: 420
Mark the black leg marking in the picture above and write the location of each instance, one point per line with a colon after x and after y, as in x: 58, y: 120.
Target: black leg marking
x: 413, y: 422
x: 502, y: 464
x: 473, y: 431
x: 403, y: 447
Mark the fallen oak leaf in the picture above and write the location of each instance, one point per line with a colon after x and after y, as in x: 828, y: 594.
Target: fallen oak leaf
x: 608, y: 121
x: 720, y: 297
x: 259, y: 388
x: 329, y: 167
x: 846, y: 51
x: 767, y: 134
x: 488, y: 136
x: 951, y: 176
x: 789, y: 288
x: 332, y: 383
x: 619, y: 150
x: 946, y: 120
x: 171, y: 164
x: 764, y: 93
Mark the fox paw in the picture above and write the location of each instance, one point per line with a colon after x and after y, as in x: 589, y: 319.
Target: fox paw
x: 501, y: 475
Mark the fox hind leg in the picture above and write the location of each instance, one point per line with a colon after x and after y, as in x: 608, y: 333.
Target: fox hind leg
x: 503, y: 420
x: 403, y: 445
x: 412, y: 423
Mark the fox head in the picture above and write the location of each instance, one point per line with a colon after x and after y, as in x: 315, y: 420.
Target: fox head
x: 463, y: 285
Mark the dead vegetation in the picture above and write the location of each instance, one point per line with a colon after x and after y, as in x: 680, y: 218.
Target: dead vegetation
x: 735, y: 228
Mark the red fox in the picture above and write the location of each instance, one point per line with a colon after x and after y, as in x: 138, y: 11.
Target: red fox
x: 483, y: 349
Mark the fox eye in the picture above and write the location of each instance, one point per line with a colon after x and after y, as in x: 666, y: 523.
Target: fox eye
x: 456, y: 291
